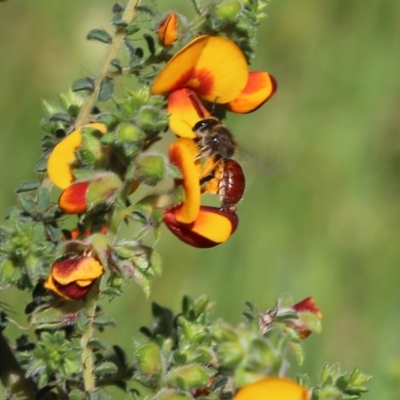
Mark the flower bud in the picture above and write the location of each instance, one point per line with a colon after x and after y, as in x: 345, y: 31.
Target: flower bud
x: 149, y: 359
x: 168, y: 30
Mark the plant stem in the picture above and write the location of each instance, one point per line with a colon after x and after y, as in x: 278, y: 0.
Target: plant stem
x: 91, y: 299
x: 87, y: 353
x: 104, y: 69
x: 12, y: 376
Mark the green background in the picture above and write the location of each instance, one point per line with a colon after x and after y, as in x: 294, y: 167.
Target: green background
x: 322, y: 209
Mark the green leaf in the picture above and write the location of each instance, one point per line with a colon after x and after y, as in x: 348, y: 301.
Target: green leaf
x: 83, y: 84
x: 26, y: 186
x: 132, y: 29
x: 116, y: 63
x: 105, y: 367
x: 150, y: 43
x: 41, y: 165
x: 99, y: 35
x: 106, y: 89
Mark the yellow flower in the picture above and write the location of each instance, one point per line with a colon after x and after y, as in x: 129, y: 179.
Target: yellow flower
x: 214, y: 69
x: 273, y: 389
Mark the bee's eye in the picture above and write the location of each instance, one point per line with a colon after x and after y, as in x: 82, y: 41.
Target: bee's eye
x: 201, y: 126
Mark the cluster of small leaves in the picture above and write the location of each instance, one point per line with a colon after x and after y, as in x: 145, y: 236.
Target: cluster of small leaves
x: 237, y: 20
x: 192, y: 355
x: 337, y: 384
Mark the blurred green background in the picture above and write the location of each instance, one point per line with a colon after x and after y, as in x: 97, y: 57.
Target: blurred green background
x: 322, y: 209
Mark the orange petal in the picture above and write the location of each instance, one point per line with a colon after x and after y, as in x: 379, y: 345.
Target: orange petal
x: 76, y: 270
x: 73, y: 199
x: 260, y: 87
x: 185, y: 109
x: 273, y: 389
x: 214, y: 67
x: 212, y: 226
x: 183, y: 153
x: 168, y: 30
x: 59, y: 164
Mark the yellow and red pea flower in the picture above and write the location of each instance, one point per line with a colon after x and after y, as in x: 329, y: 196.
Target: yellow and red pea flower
x: 214, y: 69
x: 72, y: 278
x: 168, y: 30
x: 273, y: 388
x: 196, y: 225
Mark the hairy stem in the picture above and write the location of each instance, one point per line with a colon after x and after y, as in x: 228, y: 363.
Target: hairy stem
x: 87, y: 353
x: 12, y: 376
x: 91, y: 299
x: 105, y: 66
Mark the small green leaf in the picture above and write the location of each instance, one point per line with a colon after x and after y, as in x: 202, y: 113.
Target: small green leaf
x: 118, y: 21
x: 116, y: 63
x: 150, y: 43
x: 60, y: 117
x: 132, y: 29
x: 83, y: 84
x: 105, y: 367
x: 43, y: 199
x: 26, y: 186
x: 197, y: 6
x: 106, y: 89
x: 99, y: 35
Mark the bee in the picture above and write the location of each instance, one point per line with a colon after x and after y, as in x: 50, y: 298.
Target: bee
x: 223, y: 175
x: 215, y: 139
x: 227, y: 177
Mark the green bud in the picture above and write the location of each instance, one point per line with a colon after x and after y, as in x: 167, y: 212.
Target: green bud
x: 149, y: 359
x: 228, y: 11
x: 91, y: 150
x: 188, y: 376
x: 102, y: 189
x: 230, y: 354
x: 150, y: 169
x: 151, y: 118
x: 129, y: 133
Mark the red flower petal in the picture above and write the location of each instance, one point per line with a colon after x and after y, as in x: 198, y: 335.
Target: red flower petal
x: 309, y: 305
x: 211, y: 228
x: 73, y: 198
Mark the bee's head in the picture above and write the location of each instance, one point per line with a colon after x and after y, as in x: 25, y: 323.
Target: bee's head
x: 204, y: 126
